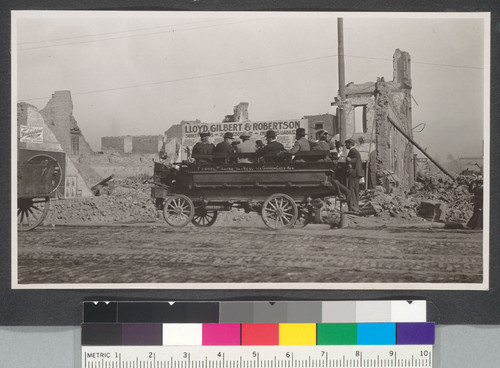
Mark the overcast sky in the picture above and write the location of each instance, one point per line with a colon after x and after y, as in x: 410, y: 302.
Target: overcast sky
x: 139, y: 73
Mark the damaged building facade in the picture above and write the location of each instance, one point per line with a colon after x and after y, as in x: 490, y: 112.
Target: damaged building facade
x: 57, y: 133
x: 374, y: 112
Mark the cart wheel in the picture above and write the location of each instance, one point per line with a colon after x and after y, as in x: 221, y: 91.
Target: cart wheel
x: 178, y: 210
x: 279, y: 211
x: 31, y: 212
x: 204, y: 218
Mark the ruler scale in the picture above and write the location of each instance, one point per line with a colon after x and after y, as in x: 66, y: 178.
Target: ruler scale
x: 344, y: 334
x: 355, y: 356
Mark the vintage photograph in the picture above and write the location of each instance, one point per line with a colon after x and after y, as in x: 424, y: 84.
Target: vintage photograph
x: 250, y: 150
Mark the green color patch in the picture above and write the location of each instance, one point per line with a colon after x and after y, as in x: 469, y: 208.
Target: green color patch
x: 337, y: 334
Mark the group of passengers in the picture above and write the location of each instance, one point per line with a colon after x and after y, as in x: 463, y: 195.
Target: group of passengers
x: 273, y: 151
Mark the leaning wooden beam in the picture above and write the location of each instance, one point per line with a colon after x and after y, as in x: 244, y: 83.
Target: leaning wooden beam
x: 420, y: 148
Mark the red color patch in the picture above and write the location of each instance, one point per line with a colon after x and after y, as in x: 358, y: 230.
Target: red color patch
x: 260, y: 334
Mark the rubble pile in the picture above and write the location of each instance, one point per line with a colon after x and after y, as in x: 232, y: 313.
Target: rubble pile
x: 451, y: 200
x: 455, y: 195
x: 126, y: 200
x: 375, y: 201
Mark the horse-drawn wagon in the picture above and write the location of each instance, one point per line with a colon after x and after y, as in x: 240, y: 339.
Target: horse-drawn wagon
x: 281, y: 190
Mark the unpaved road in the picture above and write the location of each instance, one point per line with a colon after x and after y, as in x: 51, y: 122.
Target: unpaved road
x: 236, y: 253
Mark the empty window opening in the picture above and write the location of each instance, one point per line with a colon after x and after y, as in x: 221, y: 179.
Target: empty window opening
x: 360, y: 125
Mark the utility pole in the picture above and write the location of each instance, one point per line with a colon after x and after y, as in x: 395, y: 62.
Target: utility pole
x: 341, y: 111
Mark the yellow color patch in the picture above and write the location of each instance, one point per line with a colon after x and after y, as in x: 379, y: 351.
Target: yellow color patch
x: 297, y: 333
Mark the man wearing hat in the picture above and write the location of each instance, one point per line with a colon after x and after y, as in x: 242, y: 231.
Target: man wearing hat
x: 322, y: 141
x: 355, y: 173
x: 246, y: 146
x: 301, y: 143
x: 203, y: 147
x: 272, y: 148
x: 225, y: 147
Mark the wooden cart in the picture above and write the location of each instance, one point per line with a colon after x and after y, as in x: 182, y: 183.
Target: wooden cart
x: 39, y: 175
x: 281, y: 192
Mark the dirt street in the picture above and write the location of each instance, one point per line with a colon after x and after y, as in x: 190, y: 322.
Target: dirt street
x: 247, y: 253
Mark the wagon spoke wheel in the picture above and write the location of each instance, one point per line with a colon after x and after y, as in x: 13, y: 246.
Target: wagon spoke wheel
x: 178, y: 210
x: 31, y: 212
x: 204, y: 218
x: 279, y: 211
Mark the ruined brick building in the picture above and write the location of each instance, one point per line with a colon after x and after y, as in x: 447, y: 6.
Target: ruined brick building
x: 58, y: 133
x: 240, y: 114
x: 372, y: 110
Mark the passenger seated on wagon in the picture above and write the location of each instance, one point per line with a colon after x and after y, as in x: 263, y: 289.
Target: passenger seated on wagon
x: 225, y: 148
x: 272, y: 149
x: 301, y: 144
x: 322, y: 144
x: 204, y: 147
x: 322, y: 141
x: 246, y: 146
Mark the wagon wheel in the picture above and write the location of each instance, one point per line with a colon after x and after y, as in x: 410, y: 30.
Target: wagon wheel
x: 51, y: 176
x: 178, y: 210
x: 204, y: 218
x: 279, y: 211
x: 31, y: 212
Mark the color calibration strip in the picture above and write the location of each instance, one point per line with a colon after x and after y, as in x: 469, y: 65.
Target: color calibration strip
x: 257, y: 334
x: 256, y: 312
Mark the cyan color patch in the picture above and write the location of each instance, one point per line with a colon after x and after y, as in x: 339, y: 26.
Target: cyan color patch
x: 376, y: 333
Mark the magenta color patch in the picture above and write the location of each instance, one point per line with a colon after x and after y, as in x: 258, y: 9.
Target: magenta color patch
x: 221, y: 334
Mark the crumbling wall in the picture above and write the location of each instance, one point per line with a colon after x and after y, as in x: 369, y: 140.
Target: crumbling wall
x: 121, y: 165
x: 146, y: 143
x: 382, y: 139
x: 132, y: 144
x: 382, y: 103
x: 58, y: 115
x: 122, y: 144
x: 401, y: 65
x: 29, y: 115
x: 366, y: 101
x: 241, y: 112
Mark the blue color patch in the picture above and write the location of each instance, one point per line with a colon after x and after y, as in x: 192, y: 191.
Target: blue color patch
x: 376, y: 333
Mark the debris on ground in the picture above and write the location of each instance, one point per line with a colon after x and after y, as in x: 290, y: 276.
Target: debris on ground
x: 126, y: 200
x: 433, y: 198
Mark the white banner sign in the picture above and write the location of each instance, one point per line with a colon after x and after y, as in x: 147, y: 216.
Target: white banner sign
x: 284, y: 129
x: 29, y: 134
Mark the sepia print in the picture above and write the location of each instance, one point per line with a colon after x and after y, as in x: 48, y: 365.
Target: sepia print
x: 250, y: 150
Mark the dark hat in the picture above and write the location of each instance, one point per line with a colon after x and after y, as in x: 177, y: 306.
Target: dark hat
x: 321, y: 132
x: 205, y: 134
x: 270, y: 134
x: 228, y: 135
x: 351, y: 141
x: 244, y: 135
x: 301, y: 132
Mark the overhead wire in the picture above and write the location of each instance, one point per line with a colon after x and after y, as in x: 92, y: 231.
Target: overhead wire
x: 192, y: 78
x: 220, y: 74
x: 135, y: 35
x: 110, y: 33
